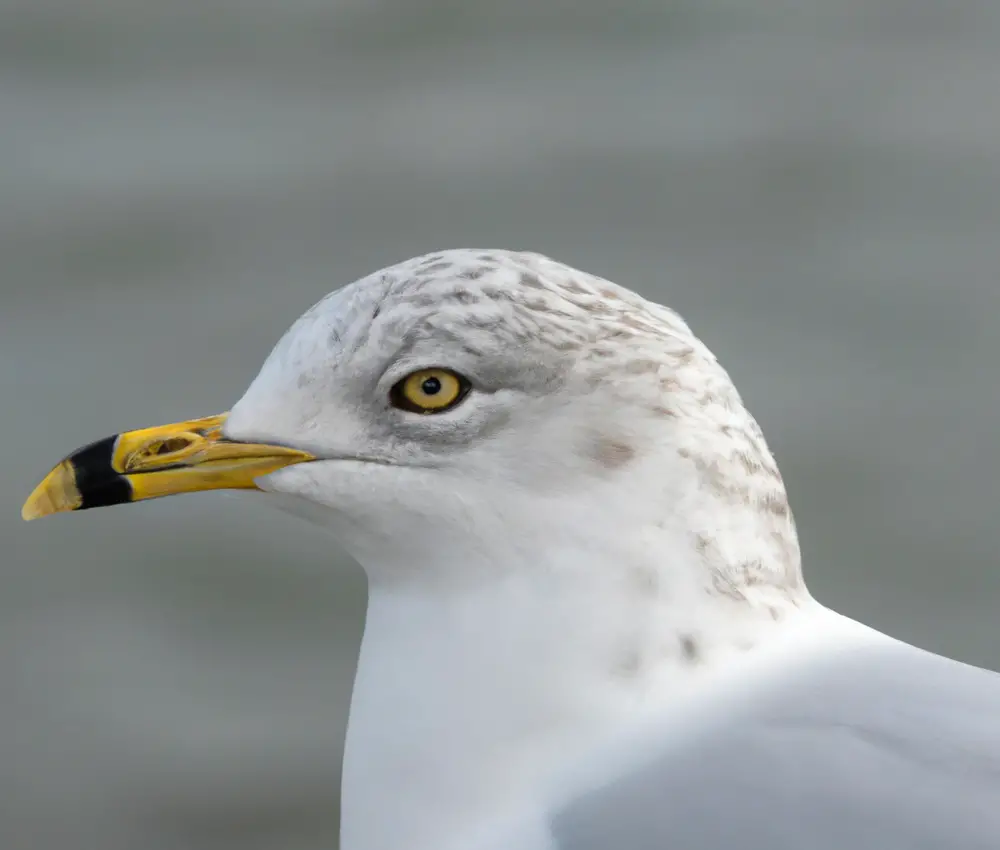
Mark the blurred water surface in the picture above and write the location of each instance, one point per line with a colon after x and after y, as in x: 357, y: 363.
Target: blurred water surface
x: 815, y: 186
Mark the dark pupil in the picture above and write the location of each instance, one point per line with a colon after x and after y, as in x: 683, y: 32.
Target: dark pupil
x: 431, y: 386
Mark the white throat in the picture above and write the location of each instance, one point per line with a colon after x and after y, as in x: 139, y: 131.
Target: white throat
x: 473, y: 698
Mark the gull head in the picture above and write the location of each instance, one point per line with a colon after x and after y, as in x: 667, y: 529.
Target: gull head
x: 471, y: 414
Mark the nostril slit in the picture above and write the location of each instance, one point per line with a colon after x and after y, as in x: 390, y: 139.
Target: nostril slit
x: 160, y: 453
x: 171, y: 445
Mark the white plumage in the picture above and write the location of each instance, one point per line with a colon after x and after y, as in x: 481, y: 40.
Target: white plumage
x: 587, y: 624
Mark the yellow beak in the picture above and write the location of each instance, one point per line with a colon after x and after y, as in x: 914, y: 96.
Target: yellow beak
x: 184, y: 457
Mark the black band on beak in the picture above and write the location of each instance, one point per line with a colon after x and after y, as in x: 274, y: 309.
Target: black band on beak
x: 97, y: 481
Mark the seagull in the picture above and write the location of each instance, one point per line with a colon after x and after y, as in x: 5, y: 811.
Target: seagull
x: 587, y: 625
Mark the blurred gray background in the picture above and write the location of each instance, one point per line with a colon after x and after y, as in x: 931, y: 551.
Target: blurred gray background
x: 814, y: 185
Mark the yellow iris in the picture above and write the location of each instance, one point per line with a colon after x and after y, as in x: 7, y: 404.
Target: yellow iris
x: 429, y: 391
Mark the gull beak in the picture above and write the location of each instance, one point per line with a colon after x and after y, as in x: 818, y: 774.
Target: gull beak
x: 184, y: 457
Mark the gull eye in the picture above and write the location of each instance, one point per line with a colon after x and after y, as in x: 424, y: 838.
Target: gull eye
x: 429, y: 391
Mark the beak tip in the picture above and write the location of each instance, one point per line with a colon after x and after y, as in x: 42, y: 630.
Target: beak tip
x: 55, y: 494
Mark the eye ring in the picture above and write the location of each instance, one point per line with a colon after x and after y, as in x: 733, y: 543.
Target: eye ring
x: 429, y: 391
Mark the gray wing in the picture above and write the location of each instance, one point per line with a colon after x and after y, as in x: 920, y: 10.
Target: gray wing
x: 888, y: 749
